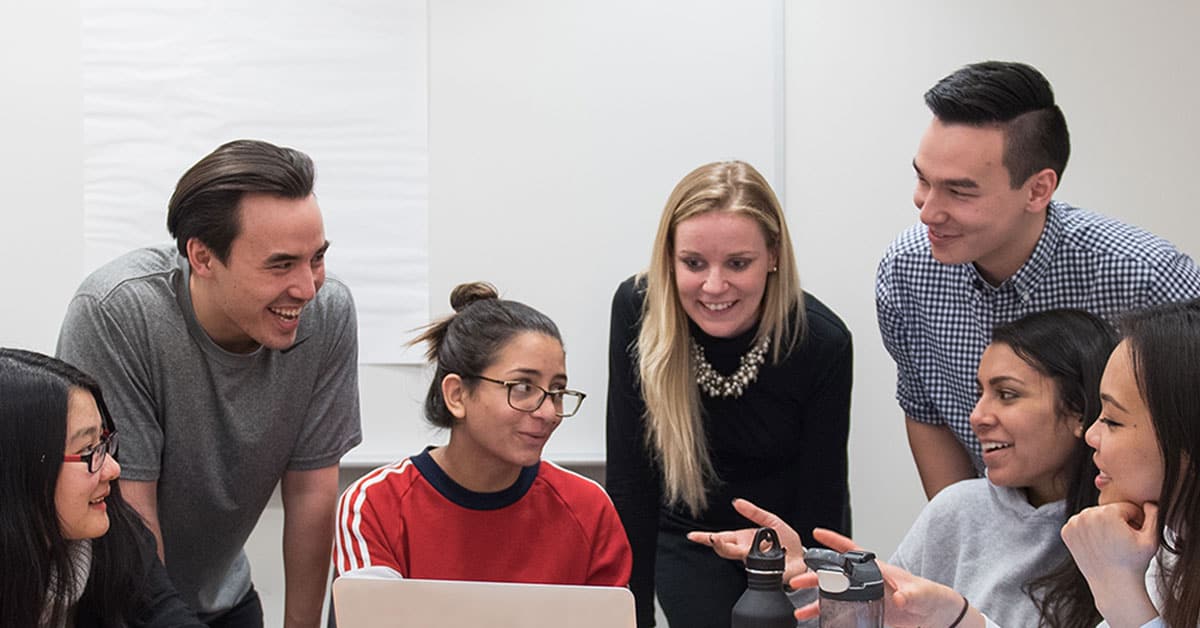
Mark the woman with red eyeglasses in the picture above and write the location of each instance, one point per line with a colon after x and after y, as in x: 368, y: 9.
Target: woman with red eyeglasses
x: 73, y: 552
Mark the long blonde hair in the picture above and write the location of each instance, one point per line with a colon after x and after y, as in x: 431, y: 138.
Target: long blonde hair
x: 665, y: 366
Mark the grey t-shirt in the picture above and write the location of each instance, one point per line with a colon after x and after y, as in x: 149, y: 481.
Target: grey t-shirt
x: 986, y: 541
x: 216, y: 430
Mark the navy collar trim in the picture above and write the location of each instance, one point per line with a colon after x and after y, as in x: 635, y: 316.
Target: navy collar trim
x: 467, y: 498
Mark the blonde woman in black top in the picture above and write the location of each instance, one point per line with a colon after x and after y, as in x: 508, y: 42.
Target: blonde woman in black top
x: 725, y: 380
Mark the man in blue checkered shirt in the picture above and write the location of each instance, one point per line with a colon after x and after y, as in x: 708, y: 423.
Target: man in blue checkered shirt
x: 991, y: 247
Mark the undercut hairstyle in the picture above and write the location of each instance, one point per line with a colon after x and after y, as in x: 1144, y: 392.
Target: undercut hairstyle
x: 38, y: 573
x: 207, y: 198
x: 1164, y: 342
x: 1016, y: 98
x: 467, y: 342
x: 666, y: 371
x: 1071, y: 347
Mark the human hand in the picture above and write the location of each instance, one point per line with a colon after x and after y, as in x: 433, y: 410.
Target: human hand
x: 909, y: 600
x: 1113, y: 545
x: 735, y: 544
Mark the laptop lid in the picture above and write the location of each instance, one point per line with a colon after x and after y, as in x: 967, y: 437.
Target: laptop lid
x: 361, y: 602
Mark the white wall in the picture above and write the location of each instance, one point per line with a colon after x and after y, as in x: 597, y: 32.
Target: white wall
x: 855, y: 72
x: 41, y: 174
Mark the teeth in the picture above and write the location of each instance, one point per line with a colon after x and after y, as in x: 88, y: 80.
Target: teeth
x: 717, y: 307
x: 289, y: 313
x: 995, y: 446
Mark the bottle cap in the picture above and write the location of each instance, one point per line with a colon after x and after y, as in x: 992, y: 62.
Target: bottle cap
x: 770, y: 559
x: 853, y: 576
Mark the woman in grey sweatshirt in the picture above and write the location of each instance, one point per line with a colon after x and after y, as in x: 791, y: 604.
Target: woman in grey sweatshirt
x: 995, y: 540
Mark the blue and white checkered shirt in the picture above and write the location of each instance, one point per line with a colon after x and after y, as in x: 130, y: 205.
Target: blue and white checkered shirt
x: 936, y: 319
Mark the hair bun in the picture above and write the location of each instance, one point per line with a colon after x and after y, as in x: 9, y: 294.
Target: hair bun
x: 467, y: 293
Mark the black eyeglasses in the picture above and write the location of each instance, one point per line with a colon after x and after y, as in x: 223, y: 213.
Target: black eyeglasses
x: 528, y: 397
x: 96, y: 456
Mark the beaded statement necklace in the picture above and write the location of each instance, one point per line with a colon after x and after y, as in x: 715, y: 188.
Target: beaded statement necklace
x: 716, y: 385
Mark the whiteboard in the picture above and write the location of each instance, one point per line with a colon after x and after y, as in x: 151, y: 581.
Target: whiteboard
x: 556, y: 133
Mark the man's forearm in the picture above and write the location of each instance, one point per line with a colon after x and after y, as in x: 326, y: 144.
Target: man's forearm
x: 309, y: 499
x: 941, y: 460
x: 143, y: 498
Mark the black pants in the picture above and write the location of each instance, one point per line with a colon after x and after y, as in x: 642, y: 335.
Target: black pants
x: 247, y: 613
x: 696, y: 588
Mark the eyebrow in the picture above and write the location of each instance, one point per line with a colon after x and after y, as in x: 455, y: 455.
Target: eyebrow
x: 1107, y: 398
x: 276, y: 258
x: 87, y: 431
x: 535, y: 372
x: 1000, y: 379
x: 746, y: 253
x: 953, y: 183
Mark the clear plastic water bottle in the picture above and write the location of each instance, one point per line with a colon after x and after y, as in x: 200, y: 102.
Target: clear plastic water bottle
x: 764, y: 604
x: 851, y: 588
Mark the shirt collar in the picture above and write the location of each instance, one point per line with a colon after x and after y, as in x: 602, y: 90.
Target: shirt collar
x: 1027, y: 277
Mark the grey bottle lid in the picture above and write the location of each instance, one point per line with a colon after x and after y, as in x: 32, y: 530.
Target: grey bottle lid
x: 852, y: 577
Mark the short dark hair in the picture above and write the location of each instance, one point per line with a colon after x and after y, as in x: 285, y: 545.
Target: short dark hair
x: 467, y: 341
x: 207, y: 197
x: 1015, y: 97
x: 34, y: 391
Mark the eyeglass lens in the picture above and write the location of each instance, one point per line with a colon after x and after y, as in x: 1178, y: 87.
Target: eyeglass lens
x: 107, y: 445
x: 527, y: 398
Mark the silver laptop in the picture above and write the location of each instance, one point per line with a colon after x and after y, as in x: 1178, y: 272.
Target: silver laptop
x: 396, y: 603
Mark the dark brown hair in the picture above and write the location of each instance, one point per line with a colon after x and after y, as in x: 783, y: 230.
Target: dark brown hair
x: 467, y: 341
x: 207, y: 197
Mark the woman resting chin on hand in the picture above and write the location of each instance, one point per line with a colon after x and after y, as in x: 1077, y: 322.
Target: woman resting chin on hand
x: 1140, y: 548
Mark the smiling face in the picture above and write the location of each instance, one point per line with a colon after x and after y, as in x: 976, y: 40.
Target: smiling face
x: 490, y: 441
x: 967, y: 201
x: 275, y: 266
x: 79, y: 494
x: 1127, y: 453
x: 721, y: 263
x: 1026, y: 442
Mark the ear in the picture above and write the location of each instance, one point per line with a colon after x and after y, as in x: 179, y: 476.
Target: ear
x: 1078, y: 426
x: 200, y: 257
x: 1042, y: 185
x: 454, y: 393
x: 773, y: 259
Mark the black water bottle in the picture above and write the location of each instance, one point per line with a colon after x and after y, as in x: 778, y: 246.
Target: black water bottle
x: 764, y: 604
x: 851, y: 588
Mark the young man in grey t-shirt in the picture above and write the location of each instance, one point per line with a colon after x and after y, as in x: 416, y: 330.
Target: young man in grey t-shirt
x: 230, y: 364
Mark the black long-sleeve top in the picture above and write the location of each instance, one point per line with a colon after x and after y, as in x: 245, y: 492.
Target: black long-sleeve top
x: 159, y: 604
x: 782, y: 444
